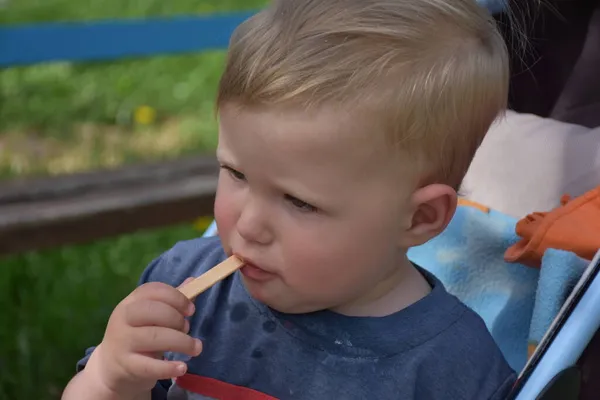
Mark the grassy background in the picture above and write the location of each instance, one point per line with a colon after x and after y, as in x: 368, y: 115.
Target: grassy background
x: 63, y: 117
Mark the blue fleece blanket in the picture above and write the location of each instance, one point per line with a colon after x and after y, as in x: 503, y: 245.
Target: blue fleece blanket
x: 516, y: 302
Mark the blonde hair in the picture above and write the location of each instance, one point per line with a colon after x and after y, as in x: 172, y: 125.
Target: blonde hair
x: 433, y: 74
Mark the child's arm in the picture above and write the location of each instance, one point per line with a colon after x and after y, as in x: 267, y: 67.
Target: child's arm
x: 128, y: 362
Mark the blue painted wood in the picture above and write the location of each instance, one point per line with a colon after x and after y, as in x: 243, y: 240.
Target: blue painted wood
x: 114, y: 39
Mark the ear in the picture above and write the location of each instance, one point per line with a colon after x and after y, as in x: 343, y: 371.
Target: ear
x: 433, y: 208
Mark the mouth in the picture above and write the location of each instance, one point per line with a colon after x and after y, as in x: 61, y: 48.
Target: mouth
x: 253, y: 272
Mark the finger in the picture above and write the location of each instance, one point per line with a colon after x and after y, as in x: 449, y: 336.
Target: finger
x: 143, y: 367
x: 186, y: 281
x: 154, y: 313
x: 152, y: 339
x: 167, y: 294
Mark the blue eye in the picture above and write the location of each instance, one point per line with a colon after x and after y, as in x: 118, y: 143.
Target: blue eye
x: 237, y: 175
x: 301, y: 205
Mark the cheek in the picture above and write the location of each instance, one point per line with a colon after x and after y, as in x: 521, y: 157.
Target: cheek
x: 225, y: 213
x: 347, y: 254
x: 320, y: 256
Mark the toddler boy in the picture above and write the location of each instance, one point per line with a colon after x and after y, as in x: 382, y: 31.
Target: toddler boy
x: 345, y: 127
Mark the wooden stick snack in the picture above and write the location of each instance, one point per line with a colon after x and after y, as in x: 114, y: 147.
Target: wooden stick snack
x: 212, y: 276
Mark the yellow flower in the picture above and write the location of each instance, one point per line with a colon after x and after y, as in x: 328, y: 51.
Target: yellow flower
x: 144, y: 115
x: 203, y: 223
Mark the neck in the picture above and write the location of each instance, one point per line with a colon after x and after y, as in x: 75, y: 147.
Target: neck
x: 405, y: 286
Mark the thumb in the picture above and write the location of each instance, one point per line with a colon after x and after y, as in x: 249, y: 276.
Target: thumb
x: 187, y: 280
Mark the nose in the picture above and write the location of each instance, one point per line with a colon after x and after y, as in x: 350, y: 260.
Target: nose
x: 252, y: 224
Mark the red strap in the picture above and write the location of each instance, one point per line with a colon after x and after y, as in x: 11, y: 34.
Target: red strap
x: 219, y: 390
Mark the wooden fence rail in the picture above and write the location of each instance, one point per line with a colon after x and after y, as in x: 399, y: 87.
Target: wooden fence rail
x: 41, y: 213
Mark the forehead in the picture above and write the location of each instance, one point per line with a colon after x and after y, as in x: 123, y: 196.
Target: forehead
x: 322, y: 137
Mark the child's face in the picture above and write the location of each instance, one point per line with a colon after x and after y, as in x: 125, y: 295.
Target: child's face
x: 313, y: 203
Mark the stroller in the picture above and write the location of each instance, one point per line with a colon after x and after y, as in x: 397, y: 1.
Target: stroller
x: 551, y: 134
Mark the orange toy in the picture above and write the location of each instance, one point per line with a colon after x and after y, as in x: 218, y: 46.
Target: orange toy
x: 574, y: 226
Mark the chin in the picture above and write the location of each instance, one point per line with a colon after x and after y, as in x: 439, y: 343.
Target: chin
x: 290, y: 309
x: 280, y: 303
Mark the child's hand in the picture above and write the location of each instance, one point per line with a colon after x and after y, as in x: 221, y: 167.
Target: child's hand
x: 147, y: 323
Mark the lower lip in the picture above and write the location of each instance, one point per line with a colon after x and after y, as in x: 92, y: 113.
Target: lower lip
x: 256, y: 274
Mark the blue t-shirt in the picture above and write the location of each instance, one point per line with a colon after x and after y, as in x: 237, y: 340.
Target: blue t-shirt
x: 437, y: 348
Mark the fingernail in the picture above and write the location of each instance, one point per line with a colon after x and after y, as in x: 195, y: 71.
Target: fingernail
x: 181, y: 368
x: 191, y: 309
x: 198, y: 346
x: 186, y: 326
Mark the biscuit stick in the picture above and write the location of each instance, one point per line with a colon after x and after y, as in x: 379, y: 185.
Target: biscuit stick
x: 210, y: 277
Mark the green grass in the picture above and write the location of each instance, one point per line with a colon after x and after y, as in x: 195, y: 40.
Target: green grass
x: 51, y: 100
x: 19, y: 11
x: 66, y: 117
x: 48, y: 108
x: 56, y: 303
